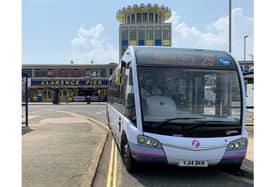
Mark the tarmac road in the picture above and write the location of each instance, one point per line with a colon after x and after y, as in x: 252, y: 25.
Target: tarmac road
x: 111, y: 171
x: 153, y: 175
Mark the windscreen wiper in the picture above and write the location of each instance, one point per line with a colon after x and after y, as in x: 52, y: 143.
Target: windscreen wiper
x: 173, y: 119
x: 217, y: 121
x: 206, y: 124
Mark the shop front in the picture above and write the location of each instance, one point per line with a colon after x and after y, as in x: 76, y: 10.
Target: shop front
x: 42, y: 90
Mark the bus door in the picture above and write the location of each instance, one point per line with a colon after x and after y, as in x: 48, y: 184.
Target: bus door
x: 119, y: 102
x: 127, y: 97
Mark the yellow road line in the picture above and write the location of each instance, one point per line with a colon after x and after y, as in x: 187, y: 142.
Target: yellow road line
x: 109, y: 175
x: 115, y: 168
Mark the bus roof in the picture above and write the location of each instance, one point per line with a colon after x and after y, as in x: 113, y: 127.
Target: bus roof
x: 196, y: 58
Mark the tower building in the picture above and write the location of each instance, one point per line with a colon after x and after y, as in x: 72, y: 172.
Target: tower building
x: 144, y: 25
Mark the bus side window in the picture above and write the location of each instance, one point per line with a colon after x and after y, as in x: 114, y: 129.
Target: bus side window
x: 129, y: 100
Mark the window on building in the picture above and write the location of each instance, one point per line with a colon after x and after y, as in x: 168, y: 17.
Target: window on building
x: 41, y: 73
x: 166, y: 33
x: 75, y: 73
x: 37, y: 73
x: 158, y: 33
x: 141, y: 33
x: 138, y: 17
x: 149, y: 33
x: 103, y: 73
x: 156, y: 18
x: 133, y: 18
x: 56, y: 73
x: 128, y: 19
x: 67, y: 73
x: 132, y: 33
x: 94, y: 73
x: 145, y: 17
x: 87, y: 72
x: 28, y: 72
x: 50, y: 72
x: 151, y: 17
x: 44, y: 73
x: 82, y: 73
x: 124, y: 33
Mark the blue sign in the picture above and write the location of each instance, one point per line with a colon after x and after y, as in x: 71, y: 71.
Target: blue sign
x: 224, y: 62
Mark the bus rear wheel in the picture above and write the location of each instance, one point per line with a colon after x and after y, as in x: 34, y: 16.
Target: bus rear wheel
x: 127, y: 158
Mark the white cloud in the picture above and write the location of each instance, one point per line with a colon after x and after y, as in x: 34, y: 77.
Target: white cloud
x: 91, y: 44
x: 215, y: 35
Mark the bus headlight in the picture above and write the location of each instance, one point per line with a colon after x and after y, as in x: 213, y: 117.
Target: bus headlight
x: 149, y: 142
x: 238, y: 144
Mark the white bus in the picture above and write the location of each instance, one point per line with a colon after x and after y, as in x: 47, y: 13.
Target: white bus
x: 159, y: 110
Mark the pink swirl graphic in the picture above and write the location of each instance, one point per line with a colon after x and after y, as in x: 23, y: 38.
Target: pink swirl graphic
x: 195, y: 143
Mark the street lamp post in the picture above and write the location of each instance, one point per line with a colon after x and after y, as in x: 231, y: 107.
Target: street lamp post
x: 229, y: 21
x: 25, y: 75
x: 245, y: 48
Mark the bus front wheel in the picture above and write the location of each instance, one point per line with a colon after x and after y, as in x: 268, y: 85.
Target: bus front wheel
x: 127, y: 158
x: 232, y: 167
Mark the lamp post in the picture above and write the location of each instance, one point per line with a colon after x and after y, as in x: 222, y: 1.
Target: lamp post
x: 245, y: 48
x: 229, y: 21
x: 25, y: 75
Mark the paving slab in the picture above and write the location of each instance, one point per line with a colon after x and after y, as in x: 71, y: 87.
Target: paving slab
x: 61, y: 149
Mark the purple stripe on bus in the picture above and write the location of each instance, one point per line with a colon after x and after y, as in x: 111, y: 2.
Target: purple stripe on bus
x: 235, y: 152
x: 233, y: 156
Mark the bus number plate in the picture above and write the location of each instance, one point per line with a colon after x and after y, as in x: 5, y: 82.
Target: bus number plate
x: 193, y: 163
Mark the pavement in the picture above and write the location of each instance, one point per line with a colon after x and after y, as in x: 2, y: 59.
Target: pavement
x: 248, y: 163
x: 61, y: 149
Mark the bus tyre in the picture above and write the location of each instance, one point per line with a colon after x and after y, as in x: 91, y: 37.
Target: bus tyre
x: 127, y: 158
x: 233, y: 167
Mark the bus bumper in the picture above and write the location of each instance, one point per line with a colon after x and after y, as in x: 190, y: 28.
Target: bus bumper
x: 233, y: 157
x: 175, y: 156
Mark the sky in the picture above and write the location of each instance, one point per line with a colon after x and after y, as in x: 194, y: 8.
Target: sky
x: 54, y: 32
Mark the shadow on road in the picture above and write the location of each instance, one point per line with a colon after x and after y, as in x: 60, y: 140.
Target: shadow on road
x: 173, y: 175
x: 25, y: 130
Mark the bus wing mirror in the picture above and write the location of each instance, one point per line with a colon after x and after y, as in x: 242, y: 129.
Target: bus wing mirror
x: 123, y: 65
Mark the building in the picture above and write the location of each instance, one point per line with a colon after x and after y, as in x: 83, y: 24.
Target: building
x: 144, y: 25
x: 246, y: 65
x: 248, y: 75
x: 71, y: 82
